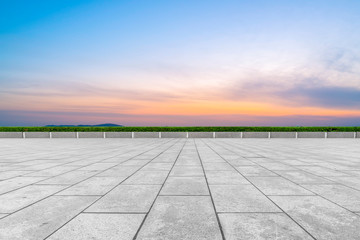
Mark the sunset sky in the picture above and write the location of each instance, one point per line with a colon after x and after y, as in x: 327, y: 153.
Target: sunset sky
x: 180, y: 62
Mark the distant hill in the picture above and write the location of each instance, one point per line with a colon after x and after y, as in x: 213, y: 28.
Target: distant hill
x: 98, y: 125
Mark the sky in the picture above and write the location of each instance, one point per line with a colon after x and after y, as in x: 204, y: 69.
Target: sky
x: 180, y: 62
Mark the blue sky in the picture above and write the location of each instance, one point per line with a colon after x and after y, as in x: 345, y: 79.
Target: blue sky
x: 120, y: 61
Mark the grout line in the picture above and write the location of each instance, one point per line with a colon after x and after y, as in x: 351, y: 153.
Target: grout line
x: 147, y: 214
x: 211, y: 197
x: 117, y: 184
x: 302, y: 184
x: 262, y: 192
x: 76, y: 182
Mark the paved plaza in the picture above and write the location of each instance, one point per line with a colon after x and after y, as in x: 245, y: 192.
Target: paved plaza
x: 179, y: 189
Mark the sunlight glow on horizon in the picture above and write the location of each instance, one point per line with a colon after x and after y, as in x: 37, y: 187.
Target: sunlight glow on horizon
x: 180, y: 62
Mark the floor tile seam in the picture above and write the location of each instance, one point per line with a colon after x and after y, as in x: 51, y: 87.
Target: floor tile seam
x: 271, y: 200
x: 101, y: 171
x: 162, y: 143
x: 156, y: 197
x: 315, y: 194
x: 211, y: 197
x: 54, y: 194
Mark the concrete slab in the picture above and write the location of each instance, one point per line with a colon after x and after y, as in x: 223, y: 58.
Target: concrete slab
x: 344, y: 196
x: 225, y: 178
x: 69, y: 178
x: 13, y: 201
x: 118, y: 134
x: 187, y: 171
x: 278, y: 186
x: 227, y: 199
x: 266, y: 226
x: 173, y: 134
x: 41, y: 219
x: 185, y: 186
x: 91, y: 134
x: 321, y: 218
x: 93, y: 186
x: 146, y: 135
x: 127, y: 199
x: 340, y: 135
x: 255, y: 171
x: 201, y: 134
x: 100, y: 226
x: 228, y: 134
x: 329, y: 168
x: 255, y: 135
x: 147, y: 177
x: 63, y: 135
x: 181, y: 217
x: 311, y: 134
x: 37, y: 135
x: 17, y: 182
x: 302, y: 177
x: 11, y: 135
x: 282, y: 134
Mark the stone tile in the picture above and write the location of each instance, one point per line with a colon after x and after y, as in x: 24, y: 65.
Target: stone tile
x: 301, y: 177
x: 15, y: 200
x: 353, y: 182
x: 127, y: 199
x: 278, y: 186
x: 157, y: 167
x: 185, y: 186
x: 69, y: 178
x: 51, y: 172
x: 259, y: 226
x: 181, y: 217
x: 119, y: 171
x: 147, y: 177
x: 93, y: 186
x: 241, y: 198
x: 321, y: 218
x: 17, y: 182
x: 257, y: 171
x: 225, y: 178
x: 100, y: 226
x: 187, y: 171
x: 277, y: 166
x: 98, y: 166
x: 322, y: 171
x: 342, y: 195
x: 43, y: 218
x: 218, y: 166
x: 12, y: 174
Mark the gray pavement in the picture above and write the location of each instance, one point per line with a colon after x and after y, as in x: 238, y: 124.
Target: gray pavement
x: 179, y: 189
